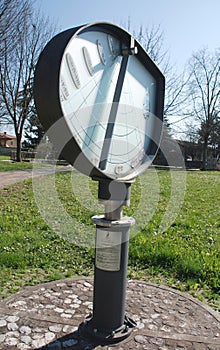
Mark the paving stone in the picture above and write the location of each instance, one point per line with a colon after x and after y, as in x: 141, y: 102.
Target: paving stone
x: 3, y: 326
x: 199, y: 346
x: 75, y: 306
x: 12, y: 334
x: 73, y: 296
x: 35, y: 321
x: 70, y: 311
x: 166, y: 329
x: 139, y: 339
x: 69, y: 329
x: 11, y: 341
x: 22, y: 346
x: 64, y: 315
x: 59, y: 310
x: 26, y: 339
x: 20, y: 304
x: 56, y: 328
x: 157, y: 341
x: 25, y: 330
x: 49, y: 336
x: 170, y: 343
x: 50, y: 306
x: 140, y: 325
x: 38, y: 336
x: 152, y: 327
x: 67, y: 301
x: 87, y: 284
x: 37, y: 343
x: 38, y: 330
x: 12, y: 326
x: 12, y: 319
x: 2, y: 338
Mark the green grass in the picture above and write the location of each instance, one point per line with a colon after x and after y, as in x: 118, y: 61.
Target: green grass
x: 185, y: 256
x: 4, y: 157
x: 7, y: 165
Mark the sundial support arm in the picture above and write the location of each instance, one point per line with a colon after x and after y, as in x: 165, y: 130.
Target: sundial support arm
x: 126, y: 52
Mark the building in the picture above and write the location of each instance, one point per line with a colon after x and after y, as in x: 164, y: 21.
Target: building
x: 7, y: 141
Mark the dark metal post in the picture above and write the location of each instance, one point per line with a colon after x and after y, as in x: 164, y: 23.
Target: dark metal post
x: 110, y: 280
x: 109, y: 322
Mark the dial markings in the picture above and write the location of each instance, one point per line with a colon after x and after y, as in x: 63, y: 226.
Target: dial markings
x: 64, y: 90
x: 112, y: 47
x: 88, y: 61
x: 101, y: 52
x: 73, y: 70
x: 110, y: 97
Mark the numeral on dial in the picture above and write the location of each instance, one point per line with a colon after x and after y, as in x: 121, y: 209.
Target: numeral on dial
x: 64, y: 89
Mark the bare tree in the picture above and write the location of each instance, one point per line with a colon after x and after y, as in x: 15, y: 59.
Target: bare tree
x: 17, y: 67
x: 204, y: 88
x: 152, y: 39
x: 12, y: 12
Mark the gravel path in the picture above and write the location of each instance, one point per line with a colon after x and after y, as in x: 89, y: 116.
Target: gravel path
x: 8, y: 178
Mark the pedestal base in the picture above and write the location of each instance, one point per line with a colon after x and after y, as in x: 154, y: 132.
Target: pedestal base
x: 88, y: 331
x: 47, y: 317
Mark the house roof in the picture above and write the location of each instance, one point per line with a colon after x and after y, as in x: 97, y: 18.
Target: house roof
x: 4, y: 136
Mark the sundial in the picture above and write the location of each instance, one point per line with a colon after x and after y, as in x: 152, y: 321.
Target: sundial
x: 100, y: 97
x: 110, y: 96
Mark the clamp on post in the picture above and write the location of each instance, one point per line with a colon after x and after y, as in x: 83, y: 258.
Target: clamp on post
x: 132, y: 50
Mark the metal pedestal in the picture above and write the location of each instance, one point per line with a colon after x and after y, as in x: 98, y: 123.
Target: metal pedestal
x: 109, y: 323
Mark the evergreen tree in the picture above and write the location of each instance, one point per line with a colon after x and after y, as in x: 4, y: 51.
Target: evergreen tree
x: 34, y: 132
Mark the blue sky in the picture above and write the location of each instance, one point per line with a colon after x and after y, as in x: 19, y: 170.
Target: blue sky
x: 187, y: 25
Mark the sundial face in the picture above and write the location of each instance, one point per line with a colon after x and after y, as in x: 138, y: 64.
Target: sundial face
x: 112, y: 119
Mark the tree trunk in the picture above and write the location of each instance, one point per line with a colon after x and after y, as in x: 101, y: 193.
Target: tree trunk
x: 204, y: 154
x: 18, y: 151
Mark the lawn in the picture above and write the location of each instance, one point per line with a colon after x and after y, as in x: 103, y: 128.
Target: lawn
x: 6, y: 164
x: 4, y: 158
x: 179, y: 248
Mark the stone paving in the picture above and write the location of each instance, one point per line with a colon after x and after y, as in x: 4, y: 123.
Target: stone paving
x: 46, y: 317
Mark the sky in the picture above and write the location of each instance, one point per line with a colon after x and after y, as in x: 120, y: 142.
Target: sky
x: 187, y: 25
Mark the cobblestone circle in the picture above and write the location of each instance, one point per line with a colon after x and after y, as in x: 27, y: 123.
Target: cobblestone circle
x: 46, y: 317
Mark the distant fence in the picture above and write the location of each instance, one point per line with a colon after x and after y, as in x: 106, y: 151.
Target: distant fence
x: 28, y: 156
x: 6, y: 151
x: 11, y: 152
x: 25, y: 155
x: 193, y: 164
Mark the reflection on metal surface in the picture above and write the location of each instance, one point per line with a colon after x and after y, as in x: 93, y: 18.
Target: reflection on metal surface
x: 108, y: 252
